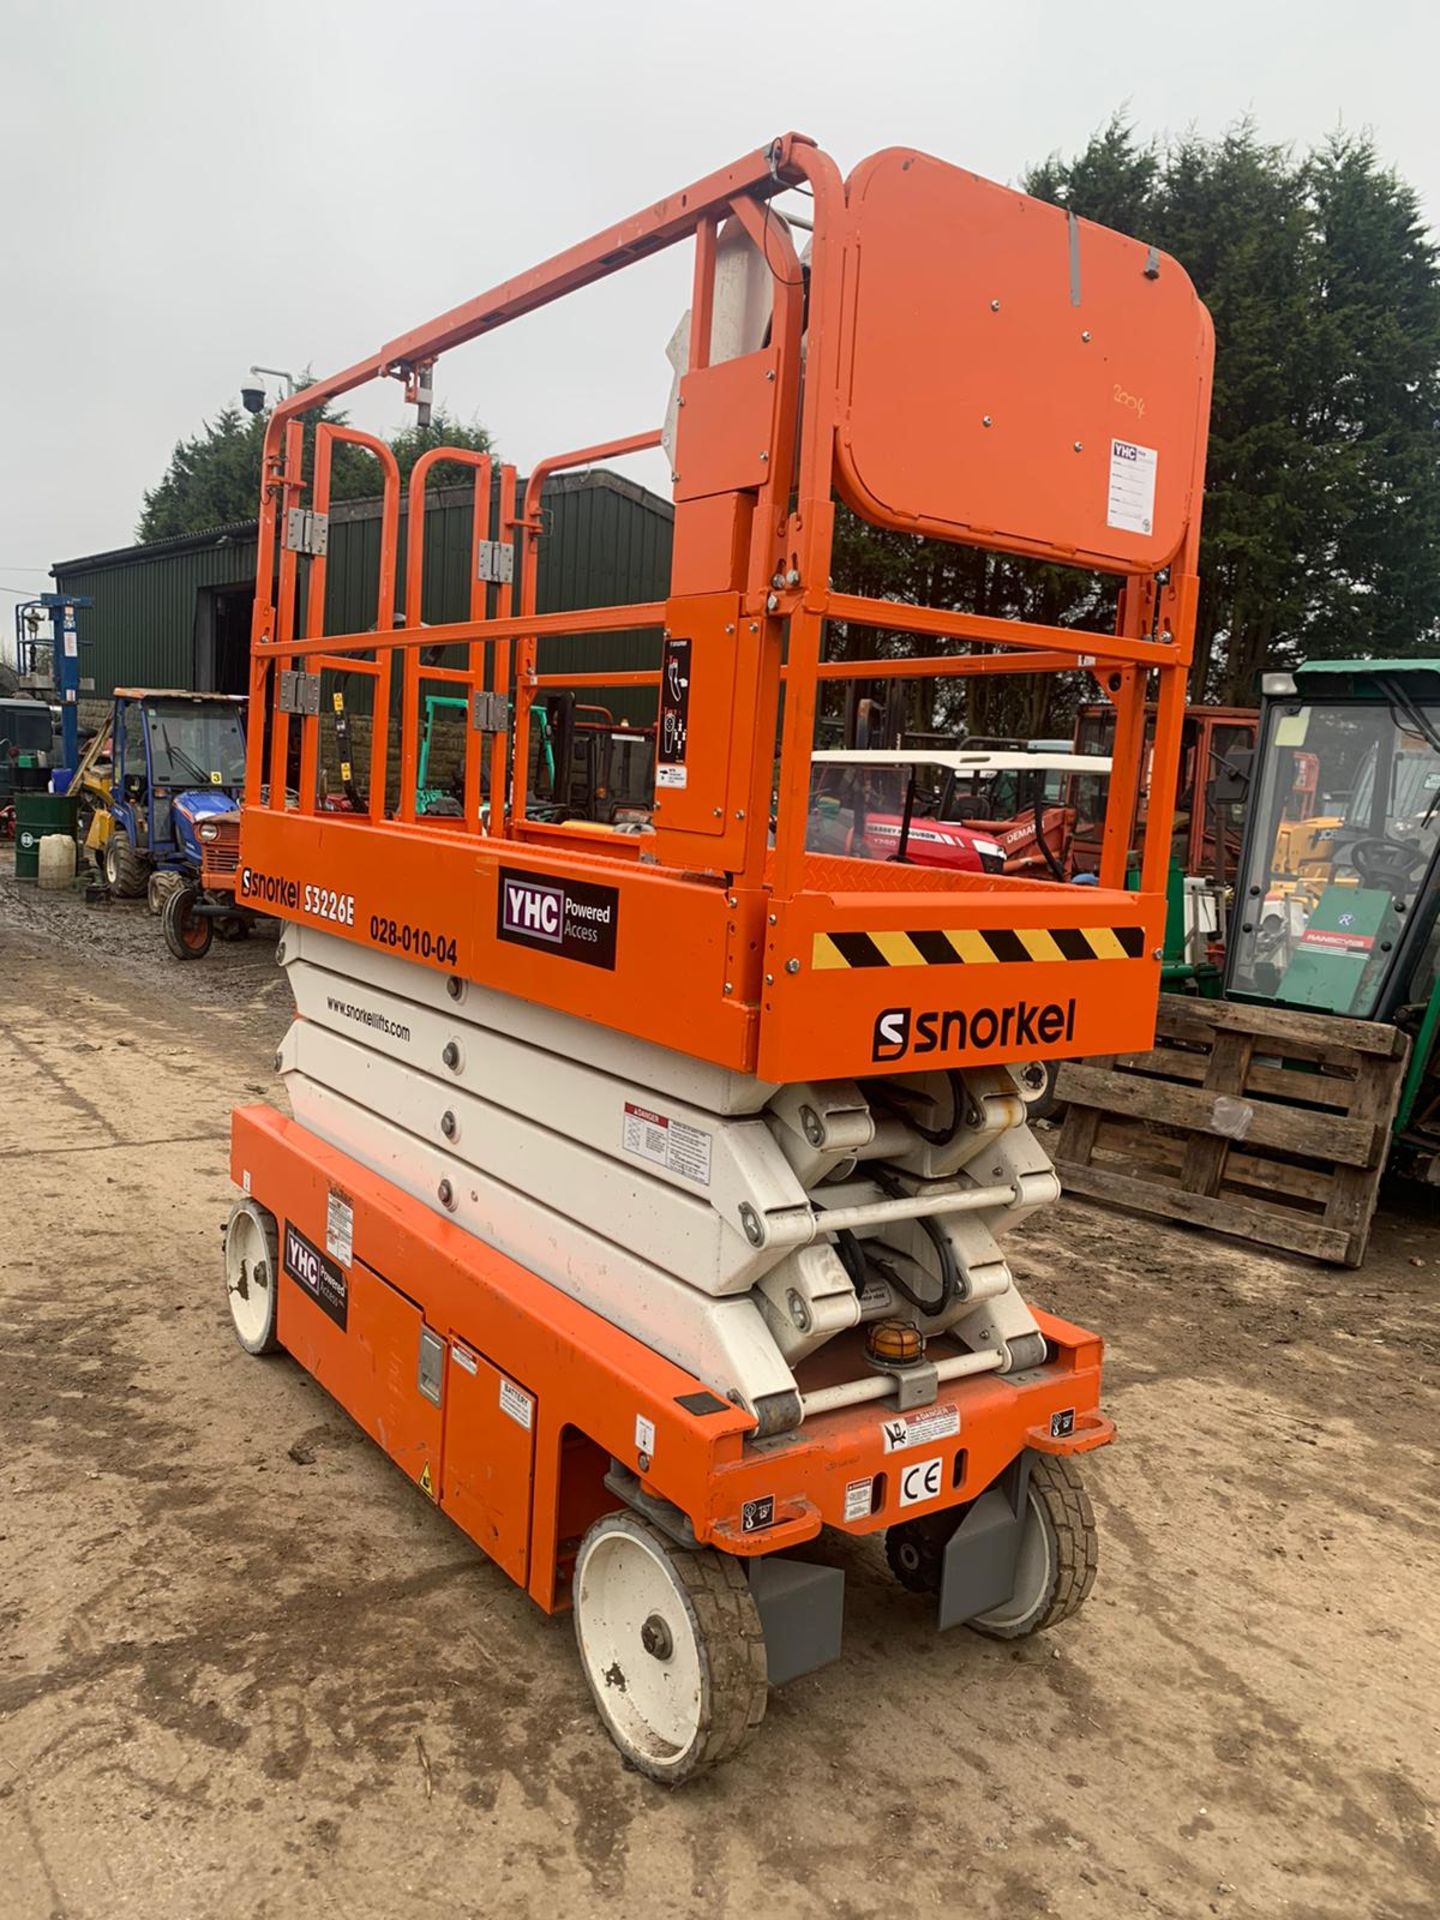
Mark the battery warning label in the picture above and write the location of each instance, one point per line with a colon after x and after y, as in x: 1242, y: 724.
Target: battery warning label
x: 515, y: 1402
x: 1131, y: 502
x: 667, y: 1143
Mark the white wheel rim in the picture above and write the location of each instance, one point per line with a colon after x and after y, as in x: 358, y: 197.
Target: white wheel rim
x: 250, y: 1278
x: 1034, y: 1570
x: 653, y: 1703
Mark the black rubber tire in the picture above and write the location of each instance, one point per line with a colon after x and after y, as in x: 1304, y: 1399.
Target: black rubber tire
x: 717, y: 1597
x: 915, y: 1549
x: 1048, y: 1105
x: 187, y: 934
x: 233, y: 926
x: 1057, y: 1500
x: 158, y: 888
x: 126, y: 872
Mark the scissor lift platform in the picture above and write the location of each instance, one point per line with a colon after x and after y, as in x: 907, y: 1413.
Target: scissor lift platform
x: 788, y: 990
x: 643, y: 1419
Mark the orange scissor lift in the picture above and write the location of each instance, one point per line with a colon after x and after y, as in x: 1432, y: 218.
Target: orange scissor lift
x: 643, y: 1193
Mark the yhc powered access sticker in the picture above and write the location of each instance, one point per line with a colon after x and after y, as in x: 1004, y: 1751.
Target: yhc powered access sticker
x: 568, y: 918
x: 317, y: 1276
x: 1130, y: 503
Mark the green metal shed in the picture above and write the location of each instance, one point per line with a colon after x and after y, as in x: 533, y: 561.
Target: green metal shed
x: 177, y: 613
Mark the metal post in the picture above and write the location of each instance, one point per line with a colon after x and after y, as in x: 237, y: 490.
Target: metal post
x: 66, y: 643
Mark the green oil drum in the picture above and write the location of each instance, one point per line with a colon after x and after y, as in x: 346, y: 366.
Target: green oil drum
x: 37, y: 814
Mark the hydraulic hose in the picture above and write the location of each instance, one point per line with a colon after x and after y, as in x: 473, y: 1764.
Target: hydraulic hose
x: 856, y: 1258
x: 935, y: 1136
x: 851, y: 1258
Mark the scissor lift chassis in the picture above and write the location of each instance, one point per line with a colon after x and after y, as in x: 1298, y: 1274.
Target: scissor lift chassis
x: 591, y: 1398
x: 639, y: 1386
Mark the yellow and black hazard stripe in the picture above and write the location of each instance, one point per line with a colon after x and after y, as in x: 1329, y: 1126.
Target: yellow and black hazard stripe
x: 969, y: 946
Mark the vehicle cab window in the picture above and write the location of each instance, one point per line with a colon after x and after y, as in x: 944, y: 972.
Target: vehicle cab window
x: 133, y: 742
x: 1347, y: 822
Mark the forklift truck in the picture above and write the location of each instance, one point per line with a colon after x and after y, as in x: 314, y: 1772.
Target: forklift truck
x: 644, y: 1196
x: 591, y: 766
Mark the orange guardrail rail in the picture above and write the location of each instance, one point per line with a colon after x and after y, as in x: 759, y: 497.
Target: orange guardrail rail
x: 952, y: 359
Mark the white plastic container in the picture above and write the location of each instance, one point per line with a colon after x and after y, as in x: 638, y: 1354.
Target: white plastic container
x: 57, y: 861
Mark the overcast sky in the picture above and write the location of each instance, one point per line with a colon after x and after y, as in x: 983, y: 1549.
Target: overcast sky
x: 193, y: 185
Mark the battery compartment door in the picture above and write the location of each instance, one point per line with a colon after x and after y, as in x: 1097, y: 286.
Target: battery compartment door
x: 370, y: 1349
x: 489, y: 1458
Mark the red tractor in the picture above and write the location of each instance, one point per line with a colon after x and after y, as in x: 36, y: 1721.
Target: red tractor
x: 971, y: 809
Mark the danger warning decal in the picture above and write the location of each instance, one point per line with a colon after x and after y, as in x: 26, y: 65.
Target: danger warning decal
x: 916, y: 1429
x: 318, y: 1276
x: 667, y: 1142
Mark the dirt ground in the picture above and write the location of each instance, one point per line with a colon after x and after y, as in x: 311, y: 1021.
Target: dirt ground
x: 246, y: 1671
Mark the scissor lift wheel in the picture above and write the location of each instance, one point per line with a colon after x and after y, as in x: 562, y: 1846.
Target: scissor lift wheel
x: 1059, y: 1554
x: 251, y: 1275
x: 672, y: 1647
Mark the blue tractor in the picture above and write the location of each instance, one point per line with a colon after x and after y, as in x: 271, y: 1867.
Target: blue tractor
x: 162, y: 763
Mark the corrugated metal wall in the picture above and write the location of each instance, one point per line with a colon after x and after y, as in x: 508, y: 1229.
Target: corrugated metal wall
x: 142, y: 625
x: 607, y: 543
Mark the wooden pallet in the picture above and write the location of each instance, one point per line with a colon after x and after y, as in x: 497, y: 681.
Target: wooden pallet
x: 1252, y: 1121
